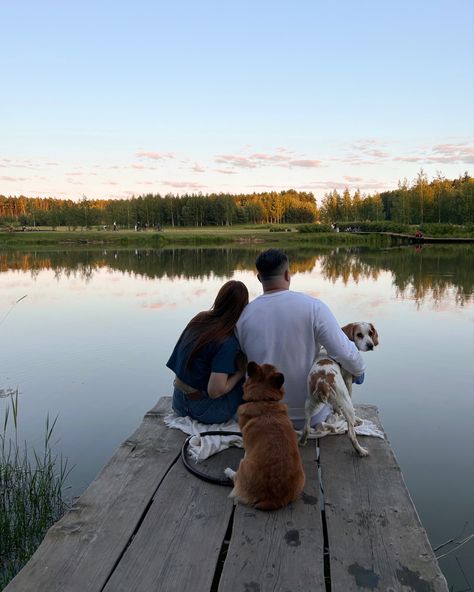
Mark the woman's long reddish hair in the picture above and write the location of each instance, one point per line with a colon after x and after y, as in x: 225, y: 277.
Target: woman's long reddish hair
x: 218, y: 323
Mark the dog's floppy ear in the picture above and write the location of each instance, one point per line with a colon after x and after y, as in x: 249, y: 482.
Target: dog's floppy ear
x: 349, y: 330
x: 276, y: 380
x: 375, y: 335
x: 253, y: 369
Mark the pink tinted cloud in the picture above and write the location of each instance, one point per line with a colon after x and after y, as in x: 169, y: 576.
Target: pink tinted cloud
x: 350, y: 179
x: 305, y: 163
x: 283, y: 158
x: 14, y: 179
x: 460, y: 153
x: 359, y: 183
x: 198, y: 168
x: 155, y: 155
x: 184, y: 184
x: 226, y: 171
x: 236, y: 160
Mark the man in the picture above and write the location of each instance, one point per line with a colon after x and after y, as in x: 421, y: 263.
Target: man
x: 287, y: 329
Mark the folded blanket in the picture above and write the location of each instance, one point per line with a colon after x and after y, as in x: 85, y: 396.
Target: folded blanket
x: 202, y: 447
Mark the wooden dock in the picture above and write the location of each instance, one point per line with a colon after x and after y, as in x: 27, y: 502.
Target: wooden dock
x: 146, y: 524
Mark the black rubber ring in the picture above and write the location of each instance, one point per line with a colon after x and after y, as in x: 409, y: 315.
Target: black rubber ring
x: 224, y: 481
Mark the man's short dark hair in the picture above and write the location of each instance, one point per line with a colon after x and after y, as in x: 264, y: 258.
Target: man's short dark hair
x: 271, y: 264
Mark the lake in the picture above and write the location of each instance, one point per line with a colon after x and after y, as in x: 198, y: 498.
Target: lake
x: 90, y: 341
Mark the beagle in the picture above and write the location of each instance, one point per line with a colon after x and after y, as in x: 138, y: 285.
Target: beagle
x: 329, y: 383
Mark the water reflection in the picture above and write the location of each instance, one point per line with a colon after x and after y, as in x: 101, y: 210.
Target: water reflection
x: 435, y: 272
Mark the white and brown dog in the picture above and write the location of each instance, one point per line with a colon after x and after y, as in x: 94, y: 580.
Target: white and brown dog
x: 329, y: 383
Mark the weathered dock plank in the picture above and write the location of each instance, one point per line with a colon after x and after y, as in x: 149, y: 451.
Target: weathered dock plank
x: 278, y: 551
x: 179, y: 542
x: 81, y: 550
x: 376, y: 540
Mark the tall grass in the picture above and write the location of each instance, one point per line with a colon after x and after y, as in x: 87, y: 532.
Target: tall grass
x: 31, y: 493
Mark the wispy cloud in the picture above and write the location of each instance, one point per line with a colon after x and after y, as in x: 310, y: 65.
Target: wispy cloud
x: 226, y: 171
x: 198, y: 168
x: 460, y: 153
x: 13, y: 179
x: 140, y: 167
x: 349, y: 182
x: 155, y: 155
x: 366, y: 151
x: 305, y: 163
x: 184, y: 184
x: 281, y: 158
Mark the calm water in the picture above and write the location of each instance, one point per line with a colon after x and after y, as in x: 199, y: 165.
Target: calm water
x: 90, y: 342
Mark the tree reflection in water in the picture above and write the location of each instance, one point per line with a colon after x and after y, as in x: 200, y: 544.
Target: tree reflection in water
x: 436, y: 272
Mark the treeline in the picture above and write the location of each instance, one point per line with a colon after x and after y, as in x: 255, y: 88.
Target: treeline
x: 151, y: 210
x: 421, y: 202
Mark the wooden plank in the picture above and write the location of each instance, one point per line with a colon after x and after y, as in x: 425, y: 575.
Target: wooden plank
x: 179, y: 542
x: 376, y: 540
x: 281, y: 550
x: 80, y: 551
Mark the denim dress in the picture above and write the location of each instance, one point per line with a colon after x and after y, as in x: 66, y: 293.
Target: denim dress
x: 215, y: 357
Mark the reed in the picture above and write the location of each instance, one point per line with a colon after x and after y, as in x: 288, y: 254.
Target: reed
x: 31, y: 492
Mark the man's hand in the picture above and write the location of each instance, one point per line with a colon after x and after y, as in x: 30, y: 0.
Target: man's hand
x: 358, y: 379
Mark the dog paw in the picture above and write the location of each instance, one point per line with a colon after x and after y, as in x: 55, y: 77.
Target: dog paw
x: 363, y: 451
x: 229, y: 473
x: 358, y: 421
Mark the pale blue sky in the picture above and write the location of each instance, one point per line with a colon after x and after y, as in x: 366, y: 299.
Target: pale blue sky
x: 110, y: 99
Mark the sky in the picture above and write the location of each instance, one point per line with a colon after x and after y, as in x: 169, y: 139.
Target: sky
x: 113, y: 99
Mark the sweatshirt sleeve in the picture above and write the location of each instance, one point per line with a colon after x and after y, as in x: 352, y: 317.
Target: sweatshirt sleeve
x: 339, y: 347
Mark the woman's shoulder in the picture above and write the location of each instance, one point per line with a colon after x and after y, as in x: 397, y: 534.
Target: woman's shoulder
x: 230, y: 342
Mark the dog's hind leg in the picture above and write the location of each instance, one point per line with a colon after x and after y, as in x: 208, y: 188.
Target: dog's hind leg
x: 361, y: 451
x: 310, y: 408
x: 348, y: 411
x: 229, y: 473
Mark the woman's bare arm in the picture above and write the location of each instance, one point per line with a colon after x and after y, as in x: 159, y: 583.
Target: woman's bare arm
x: 220, y: 383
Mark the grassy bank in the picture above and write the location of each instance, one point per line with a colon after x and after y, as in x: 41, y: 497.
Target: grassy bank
x: 267, y: 235
x: 31, y: 493
x: 206, y: 236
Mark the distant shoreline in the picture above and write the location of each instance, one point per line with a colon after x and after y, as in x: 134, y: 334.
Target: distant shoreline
x: 204, y: 236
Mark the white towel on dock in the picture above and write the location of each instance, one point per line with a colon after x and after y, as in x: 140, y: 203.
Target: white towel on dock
x: 339, y: 426
x: 202, y: 447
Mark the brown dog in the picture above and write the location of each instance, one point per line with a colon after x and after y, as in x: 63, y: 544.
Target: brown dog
x: 270, y: 475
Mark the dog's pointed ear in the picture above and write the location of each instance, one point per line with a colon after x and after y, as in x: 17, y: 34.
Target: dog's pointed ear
x: 253, y: 369
x: 277, y: 380
x: 375, y: 335
x: 349, y: 330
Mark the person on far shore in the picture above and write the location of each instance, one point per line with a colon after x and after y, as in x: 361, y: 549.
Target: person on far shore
x: 207, y: 360
x: 287, y: 329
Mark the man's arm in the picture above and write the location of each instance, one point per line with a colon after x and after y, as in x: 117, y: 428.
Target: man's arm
x: 330, y: 335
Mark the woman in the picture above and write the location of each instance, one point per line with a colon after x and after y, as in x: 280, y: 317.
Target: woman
x: 208, y: 362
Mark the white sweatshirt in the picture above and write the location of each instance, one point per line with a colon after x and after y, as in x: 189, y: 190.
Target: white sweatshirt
x: 287, y: 329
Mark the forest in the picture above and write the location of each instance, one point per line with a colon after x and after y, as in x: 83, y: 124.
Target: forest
x: 420, y: 202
